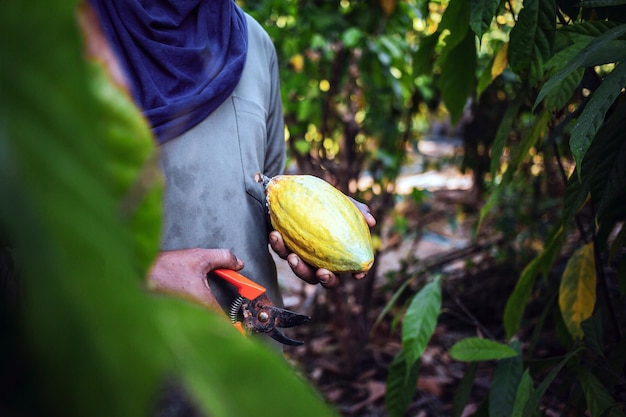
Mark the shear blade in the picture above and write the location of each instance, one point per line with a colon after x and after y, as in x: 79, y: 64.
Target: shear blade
x: 286, y: 318
x: 280, y: 337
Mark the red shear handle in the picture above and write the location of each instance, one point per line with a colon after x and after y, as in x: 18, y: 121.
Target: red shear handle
x: 247, y: 288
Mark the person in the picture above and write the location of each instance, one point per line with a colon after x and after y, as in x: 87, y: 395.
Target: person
x: 205, y: 75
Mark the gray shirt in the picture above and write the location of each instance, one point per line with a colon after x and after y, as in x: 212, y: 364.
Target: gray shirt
x: 212, y: 199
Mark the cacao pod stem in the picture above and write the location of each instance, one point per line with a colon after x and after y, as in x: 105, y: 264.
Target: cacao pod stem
x: 258, y: 177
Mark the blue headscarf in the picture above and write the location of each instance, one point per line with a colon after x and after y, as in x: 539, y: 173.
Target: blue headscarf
x: 183, y: 58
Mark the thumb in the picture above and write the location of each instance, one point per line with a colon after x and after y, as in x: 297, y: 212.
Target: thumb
x: 223, y: 258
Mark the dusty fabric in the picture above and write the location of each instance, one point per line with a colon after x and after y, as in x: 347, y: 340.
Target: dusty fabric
x: 212, y: 200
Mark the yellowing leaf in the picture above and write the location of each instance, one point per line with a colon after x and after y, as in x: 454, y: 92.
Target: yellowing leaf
x: 500, y: 61
x: 577, y: 293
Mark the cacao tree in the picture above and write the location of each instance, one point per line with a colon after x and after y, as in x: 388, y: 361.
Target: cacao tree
x: 359, y: 78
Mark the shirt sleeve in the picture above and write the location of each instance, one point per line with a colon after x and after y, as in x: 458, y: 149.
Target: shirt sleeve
x: 275, y: 155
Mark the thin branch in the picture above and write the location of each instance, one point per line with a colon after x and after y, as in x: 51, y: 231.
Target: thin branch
x: 602, y: 279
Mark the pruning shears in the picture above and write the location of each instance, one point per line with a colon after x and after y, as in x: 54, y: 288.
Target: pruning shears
x: 253, y: 312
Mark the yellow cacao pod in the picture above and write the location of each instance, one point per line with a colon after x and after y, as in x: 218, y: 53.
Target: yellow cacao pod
x: 319, y: 223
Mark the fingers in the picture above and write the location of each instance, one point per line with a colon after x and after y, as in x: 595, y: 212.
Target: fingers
x: 365, y: 211
x: 311, y: 275
x: 278, y: 244
x: 304, y: 271
x: 328, y: 279
x: 369, y: 218
x: 359, y: 275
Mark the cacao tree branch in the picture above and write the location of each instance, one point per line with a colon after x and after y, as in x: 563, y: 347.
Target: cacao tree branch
x: 602, y: 283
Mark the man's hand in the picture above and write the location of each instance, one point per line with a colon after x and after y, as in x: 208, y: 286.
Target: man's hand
x: 184, y: 272
x: 306, y: 272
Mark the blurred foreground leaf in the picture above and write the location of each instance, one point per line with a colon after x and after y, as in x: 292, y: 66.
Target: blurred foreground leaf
x: 84, y: 217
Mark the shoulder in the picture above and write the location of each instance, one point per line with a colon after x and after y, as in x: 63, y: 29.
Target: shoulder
x: 258, y: 37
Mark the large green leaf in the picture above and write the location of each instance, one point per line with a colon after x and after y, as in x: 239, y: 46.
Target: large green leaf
x: 577, y: 292
x: 532, y: 403
x: 582, y: 58
x: 464, y: 389
x: 599, y: 400
x: 506, y: 379
x: 504, y: 129
x: 538, y: 130
x: 457, y: 81
x: 481, y: 15
x: 603, y: 172
x: 401, y: 382
x: 558, y: 96
x: 456, y: 21
x: 423, y: 59
x: 592, y: 117
x: 601, y: 3
x: 608, y: 177
x: 420, y: 320
x: 100, y: 344
x: 519, y: 298
x: 587, y: 30
x: 532, y: 38
x: 522, y: 395
x: 474, y: 349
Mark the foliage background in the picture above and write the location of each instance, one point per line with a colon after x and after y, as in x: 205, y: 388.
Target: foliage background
x: 535, y: 90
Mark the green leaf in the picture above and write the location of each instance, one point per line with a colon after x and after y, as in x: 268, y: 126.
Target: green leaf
x: 534, y: 399
x: 484, y: 80
x: 594, y: 332
x: 456, y: 20
x: 523, y: 393
x: 351, y: 37
x: 563, y: 90
x: 481, y: 15
x: 532, y: 38
x: 474, y: 349
x: 491, y: 202
x: 559, y: 96
x: 392, y: 301
x: 420, y: 320
x: 504, y: 128
x: 519, y: 298
x: 538, y: 129
x: 423, y: 59
x: 576, y: 194
x: 599, y: 400
x: 464, y: 390
x: 506, y: 379
x: 601, y: 3
x: 592, y: 117
x: 457, y: 81
x: 580, y: 59
x: 401, y: 385
x: 517, y: 301
x: 603, y: 171
x: 577, y: 292
x: 585, y: 31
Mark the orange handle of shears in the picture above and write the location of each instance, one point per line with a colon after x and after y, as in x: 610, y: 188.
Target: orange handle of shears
x: 237, y: 325
x: 246, y: 287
